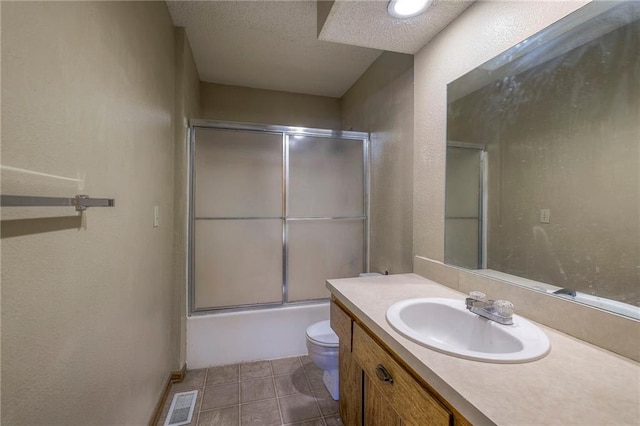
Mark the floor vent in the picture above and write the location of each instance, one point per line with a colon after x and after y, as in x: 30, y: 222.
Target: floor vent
x: 181, y: 410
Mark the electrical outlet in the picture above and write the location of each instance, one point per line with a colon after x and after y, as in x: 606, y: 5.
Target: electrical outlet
x: 545, y: 215
x: 156, y: 216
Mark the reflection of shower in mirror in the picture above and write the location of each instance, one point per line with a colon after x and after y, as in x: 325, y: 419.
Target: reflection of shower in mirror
x: 558, y: 119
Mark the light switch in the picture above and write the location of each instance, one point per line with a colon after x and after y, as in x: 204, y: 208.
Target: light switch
x: 545, y: 215
x: 156, y: 216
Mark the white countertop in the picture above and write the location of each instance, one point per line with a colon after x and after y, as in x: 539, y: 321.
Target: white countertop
x: 576, y: 384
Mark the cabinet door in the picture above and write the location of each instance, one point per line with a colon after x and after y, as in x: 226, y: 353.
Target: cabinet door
x: 350, y: 402
x: 341, y: 323
x: 377, y: 410
x: 409, y: 399
x: 350, y: 373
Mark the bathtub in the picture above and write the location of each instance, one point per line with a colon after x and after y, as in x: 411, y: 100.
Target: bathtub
x: 232, y: 337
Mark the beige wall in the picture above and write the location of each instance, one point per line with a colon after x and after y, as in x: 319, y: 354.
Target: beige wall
x: 244, y: 104
x: 381, y: 102
x: 187, y: 105
x: 87, y: 303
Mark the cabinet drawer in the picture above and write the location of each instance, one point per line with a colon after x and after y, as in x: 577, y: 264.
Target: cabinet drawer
x: 415, y: 405
x: 341, y: 325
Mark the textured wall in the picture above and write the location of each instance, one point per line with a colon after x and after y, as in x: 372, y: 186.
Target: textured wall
x: 87, y: 94
x: 381, y: 102
x: 480, y: 33
x: 187, y: 105
x: 244, y: 104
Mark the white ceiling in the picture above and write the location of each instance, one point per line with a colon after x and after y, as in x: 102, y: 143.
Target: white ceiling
x: 268, y: 45
x: 367, y: 23
x: 274, y: 45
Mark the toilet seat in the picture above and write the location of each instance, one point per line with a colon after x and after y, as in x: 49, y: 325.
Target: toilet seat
x: 321, y: 334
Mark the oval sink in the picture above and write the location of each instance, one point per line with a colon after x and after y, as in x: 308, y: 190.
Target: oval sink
x: 445, y: 325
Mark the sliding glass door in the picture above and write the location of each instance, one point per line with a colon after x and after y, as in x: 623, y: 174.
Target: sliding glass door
x: 326, y: 213
x: 275, y: 211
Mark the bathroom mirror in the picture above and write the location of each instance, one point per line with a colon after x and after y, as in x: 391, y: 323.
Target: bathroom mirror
x: 543, y: 161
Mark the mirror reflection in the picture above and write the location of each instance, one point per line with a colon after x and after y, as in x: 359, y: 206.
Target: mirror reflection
x: 543, y: 161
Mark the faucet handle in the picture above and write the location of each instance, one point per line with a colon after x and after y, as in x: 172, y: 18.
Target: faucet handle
x: 478, y: 295
x: 504, y: 308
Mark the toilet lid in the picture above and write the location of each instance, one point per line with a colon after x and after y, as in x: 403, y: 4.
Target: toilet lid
x: 322, y: 334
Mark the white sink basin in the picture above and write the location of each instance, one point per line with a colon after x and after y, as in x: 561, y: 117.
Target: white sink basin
x: 445, y: 325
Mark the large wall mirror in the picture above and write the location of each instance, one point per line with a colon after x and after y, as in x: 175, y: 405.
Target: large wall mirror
x: 543, y: 161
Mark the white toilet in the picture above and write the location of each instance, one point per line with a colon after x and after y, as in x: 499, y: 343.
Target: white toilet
x: 322, y: 344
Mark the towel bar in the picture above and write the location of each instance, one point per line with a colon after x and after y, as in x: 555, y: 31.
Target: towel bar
x: 80, y: 202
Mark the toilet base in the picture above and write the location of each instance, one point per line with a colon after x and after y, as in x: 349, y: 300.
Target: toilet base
x: 330, y: 379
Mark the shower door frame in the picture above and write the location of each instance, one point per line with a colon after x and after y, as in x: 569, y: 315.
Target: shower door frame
x: 287, y: 132
x: 483, y: 198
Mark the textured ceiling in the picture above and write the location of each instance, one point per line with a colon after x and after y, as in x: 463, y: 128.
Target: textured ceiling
x: 367, y: 23
x: 268, y: 45
x: 275, y: 45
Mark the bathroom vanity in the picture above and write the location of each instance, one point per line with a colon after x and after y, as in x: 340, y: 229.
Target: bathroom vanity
x: 387, y: 379
x: 378, y: 389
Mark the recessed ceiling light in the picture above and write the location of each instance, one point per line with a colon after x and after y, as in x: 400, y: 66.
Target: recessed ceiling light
x: 407, y: 8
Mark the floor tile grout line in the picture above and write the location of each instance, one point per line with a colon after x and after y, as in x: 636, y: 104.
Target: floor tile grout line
x: 204, y: 384
x: 304, y: 370
x: 273, y: 380
x: 238, y: 378
x: 275, y: 392
x: 239, y: 387
x: 260, y: 400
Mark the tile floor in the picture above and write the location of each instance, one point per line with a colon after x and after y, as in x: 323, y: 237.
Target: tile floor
x: 287, y: 391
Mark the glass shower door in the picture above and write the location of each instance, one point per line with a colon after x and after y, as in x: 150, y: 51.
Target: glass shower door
x: 326, y: 215
x: 275, y: 212
x: 238, y: 218
x: 464, y: 207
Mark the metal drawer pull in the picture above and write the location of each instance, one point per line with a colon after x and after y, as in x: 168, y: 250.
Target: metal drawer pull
x: 383, y: 374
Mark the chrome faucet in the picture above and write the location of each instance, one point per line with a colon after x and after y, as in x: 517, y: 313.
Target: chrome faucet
x: 500, y: 311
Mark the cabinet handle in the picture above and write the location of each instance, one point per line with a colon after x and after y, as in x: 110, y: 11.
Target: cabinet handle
x: 383, y: 374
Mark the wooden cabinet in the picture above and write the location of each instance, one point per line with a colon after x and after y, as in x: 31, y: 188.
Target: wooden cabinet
x: 414, y: 405
x: 349, y: 373
x: 377, y: 409
x: 376, y: 388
